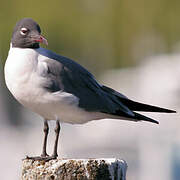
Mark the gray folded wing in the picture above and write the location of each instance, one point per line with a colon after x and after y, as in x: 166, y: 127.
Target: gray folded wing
x: 66, y: 75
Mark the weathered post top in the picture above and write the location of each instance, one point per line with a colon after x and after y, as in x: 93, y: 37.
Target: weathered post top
x: 74, y: 169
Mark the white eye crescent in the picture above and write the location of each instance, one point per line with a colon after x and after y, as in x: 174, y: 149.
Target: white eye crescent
x: 23, y: 31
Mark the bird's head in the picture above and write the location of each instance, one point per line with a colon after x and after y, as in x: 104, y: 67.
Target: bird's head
x: 27, y: 34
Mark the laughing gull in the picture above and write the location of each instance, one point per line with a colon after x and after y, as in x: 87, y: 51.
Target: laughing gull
x: 58, y: 88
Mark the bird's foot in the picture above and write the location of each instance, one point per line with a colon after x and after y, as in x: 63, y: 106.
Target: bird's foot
x: 42, y: 158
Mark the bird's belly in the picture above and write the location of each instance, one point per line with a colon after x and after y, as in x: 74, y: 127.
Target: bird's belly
x: 62, y: 106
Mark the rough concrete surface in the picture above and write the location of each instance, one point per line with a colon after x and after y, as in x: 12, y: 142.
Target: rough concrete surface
x: 74, y: 169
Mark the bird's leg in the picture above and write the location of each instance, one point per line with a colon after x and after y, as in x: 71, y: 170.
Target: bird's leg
x: 57, y: 131
x: 44, y: 156
x: 46, y: 131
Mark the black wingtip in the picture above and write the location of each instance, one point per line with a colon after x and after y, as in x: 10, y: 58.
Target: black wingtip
x: 156, y: 122
x: 150, y: 120
x: 137, y: 106
x: 141, y: 117
x: 171, y: 111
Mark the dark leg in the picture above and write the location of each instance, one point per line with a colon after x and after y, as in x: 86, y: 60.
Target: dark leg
x: 44, y: 156
x: 46, y: 131
x: 57, y: 131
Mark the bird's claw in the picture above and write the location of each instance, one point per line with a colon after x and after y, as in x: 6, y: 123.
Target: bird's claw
x: 42, y: 158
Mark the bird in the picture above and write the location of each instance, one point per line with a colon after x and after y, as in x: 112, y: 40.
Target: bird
x: 58, y: 88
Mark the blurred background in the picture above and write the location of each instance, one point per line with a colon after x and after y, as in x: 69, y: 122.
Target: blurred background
x: 132, y: 46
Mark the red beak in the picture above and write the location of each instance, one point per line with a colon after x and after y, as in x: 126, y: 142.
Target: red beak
x: 42, y: 40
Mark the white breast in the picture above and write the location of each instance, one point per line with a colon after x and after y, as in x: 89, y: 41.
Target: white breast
x: 19, y: 67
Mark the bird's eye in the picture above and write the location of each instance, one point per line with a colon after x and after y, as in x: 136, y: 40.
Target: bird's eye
x: 24, y: 31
